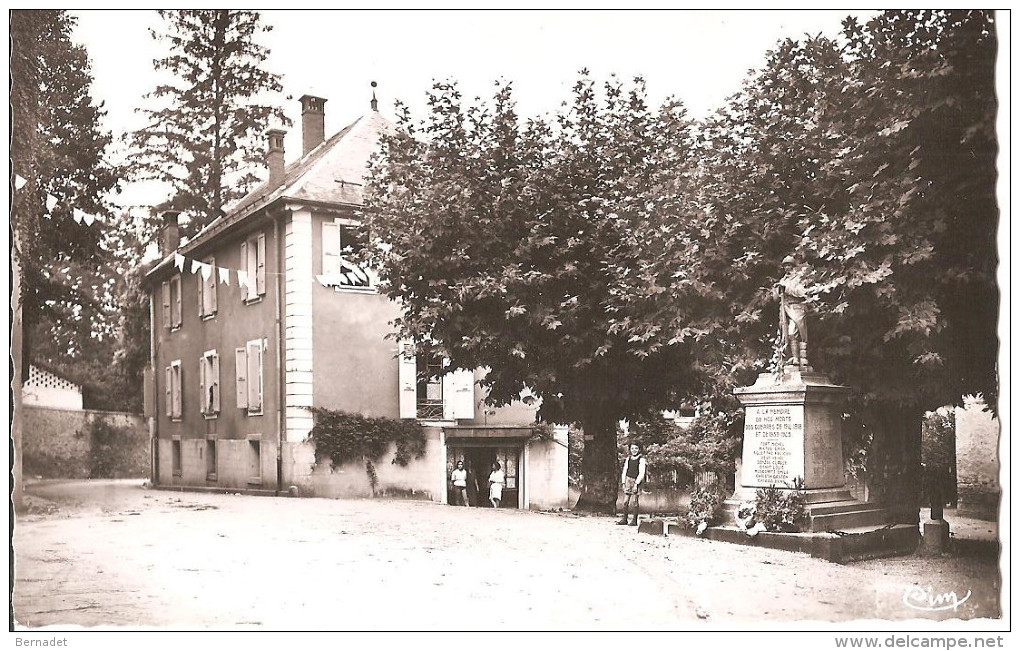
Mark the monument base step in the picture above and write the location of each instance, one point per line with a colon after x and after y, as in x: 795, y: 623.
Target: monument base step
x: 852, y: 544
x: 840, y: 514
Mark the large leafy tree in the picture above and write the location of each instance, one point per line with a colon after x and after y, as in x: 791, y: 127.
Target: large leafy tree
x: 203, y: 136
x: 506, y: 242
x: 869, y: 170
x: 58, y: 149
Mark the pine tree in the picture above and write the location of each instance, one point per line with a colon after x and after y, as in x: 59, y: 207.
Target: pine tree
x: 203, y: 137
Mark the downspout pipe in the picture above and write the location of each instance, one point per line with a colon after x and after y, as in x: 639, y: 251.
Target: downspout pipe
x: 281, y: 404
x: 153, y: 416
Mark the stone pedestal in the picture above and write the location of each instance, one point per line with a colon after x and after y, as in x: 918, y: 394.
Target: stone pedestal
x: 792, y: 434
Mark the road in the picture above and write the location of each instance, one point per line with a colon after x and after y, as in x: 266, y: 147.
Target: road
x: 114, y: 554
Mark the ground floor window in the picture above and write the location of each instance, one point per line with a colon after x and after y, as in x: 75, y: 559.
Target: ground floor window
x: 254, y: 461
x: 210, y: 459
x: 175, y: 457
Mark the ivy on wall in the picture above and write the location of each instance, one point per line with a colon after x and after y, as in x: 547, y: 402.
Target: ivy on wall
x: 343, y: 437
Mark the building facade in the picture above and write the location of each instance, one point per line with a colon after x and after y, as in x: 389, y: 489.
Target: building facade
x: 238, y: 364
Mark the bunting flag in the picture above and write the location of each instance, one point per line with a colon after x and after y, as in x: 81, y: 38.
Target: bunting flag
x: 88, y: 219
x: 19, y: 182
x: 179, y: 261
x: 77, y: 215
x: 206, y: 270
x: 51, y: 202
x: 242, y: 278
x: 224, y: 275
x: 195, y: 266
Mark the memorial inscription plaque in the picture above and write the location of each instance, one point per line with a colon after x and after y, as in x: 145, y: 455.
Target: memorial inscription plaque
x: 773, y: 445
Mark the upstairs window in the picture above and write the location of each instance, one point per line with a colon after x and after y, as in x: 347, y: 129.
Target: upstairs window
x: 209, y: 383
x: 339, y: 244
x: 172, y: 303
x: 207, y: 291
x: 427, y: 396
x: 253, y: 263
x: 430, y: 387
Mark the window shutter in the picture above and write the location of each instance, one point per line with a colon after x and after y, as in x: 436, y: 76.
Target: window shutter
x: 203, y: 399
x: 459, y: 395
x: 166, y: 304
x: 201, y: 294
x: 247, y: 269
x: 210, y: 288
x: 241, y: 375
x: 178, y: 387
x: 168, y: 390
x: 215, y: 383
x: 407, y: 380
x: 255, y: 375
x: 260, y: 271
x: 330, y: 248
x: 176, y: 318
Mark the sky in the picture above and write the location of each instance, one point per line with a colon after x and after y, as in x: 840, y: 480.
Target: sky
x: 700, y: 57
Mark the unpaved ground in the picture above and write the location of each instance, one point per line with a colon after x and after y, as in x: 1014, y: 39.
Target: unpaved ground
x: 113, y: 554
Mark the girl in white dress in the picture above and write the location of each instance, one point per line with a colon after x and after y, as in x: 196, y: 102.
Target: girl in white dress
x: 496, y: 481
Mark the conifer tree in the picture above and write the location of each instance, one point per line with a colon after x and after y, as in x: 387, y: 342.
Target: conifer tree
x: 58, y: 150
x: 203, y: 137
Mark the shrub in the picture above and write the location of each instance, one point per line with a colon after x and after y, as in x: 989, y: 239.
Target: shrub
x: 342, y: 437
x: 706, y: 505
x: 780, y: 510
x: 111, y: 450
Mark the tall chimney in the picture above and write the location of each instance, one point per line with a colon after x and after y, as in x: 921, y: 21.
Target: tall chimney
x: 274, y: 156
x: 169, y: 232
x: 313, y: 122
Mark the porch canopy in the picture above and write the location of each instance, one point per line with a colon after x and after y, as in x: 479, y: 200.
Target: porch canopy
x: 519, y: 433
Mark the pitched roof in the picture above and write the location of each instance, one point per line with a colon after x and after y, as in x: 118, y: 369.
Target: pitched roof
x: 332, y: 173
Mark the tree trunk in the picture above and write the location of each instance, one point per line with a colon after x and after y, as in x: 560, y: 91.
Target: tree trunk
x: 894, y: 463
x: 599, y: 467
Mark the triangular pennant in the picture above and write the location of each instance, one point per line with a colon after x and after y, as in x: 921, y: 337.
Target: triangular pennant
x: 242, y: 278
x: 78, y: 215
x: 195, y: 266
x: 224, y: 275
x: 206, y: 270
x: 89, y: 219
x: 19, y: 182
x: 51, y: 202
x: 179, y: 261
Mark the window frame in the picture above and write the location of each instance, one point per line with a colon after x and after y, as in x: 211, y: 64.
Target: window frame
x: 253, y: 260
x: 331, y: 258
x: 209, y: 368
x: 174, y: 391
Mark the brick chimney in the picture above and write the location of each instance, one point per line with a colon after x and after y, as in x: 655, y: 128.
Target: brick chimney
x: 274, y: 156
x: 169, y: 232
x: 313, y: 122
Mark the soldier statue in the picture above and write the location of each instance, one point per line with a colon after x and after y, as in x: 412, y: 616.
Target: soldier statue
x: 793, y: 311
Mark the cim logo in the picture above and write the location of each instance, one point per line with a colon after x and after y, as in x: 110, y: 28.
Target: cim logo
x: 928, y: 600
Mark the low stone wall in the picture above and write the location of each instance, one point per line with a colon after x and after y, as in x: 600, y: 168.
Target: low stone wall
x: 63, y: 443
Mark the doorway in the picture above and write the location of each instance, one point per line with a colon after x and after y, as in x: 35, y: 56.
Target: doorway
x: 478, y: 460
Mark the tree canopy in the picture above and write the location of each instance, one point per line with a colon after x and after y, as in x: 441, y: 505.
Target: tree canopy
x: 506, y: 242
x: 205, y: 126
x: 58, y: 147
x: 618, y: 259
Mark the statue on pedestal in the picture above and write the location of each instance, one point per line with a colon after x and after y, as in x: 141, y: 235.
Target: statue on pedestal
x: 793, y: 311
